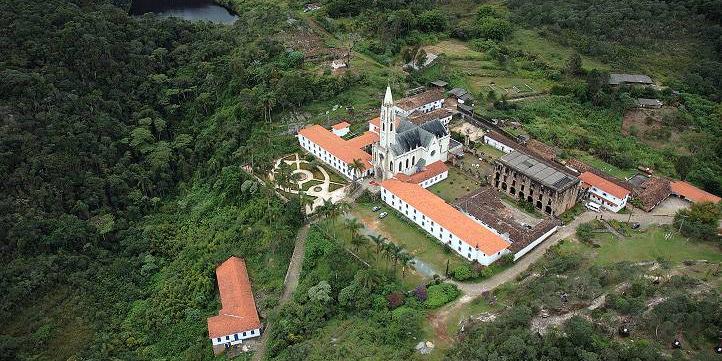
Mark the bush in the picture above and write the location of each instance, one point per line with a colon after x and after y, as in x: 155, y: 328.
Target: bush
x: 585, y: 232
x: 441, y: 294
x: 395, y: 299
x: 463, y: 272
x: 420, y: 293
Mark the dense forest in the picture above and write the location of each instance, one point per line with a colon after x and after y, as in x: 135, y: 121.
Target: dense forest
x: 121, y: 143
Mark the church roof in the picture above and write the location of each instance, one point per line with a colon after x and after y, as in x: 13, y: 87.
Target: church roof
x: 411, y: 136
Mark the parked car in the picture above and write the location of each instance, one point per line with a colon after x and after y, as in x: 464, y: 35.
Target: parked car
x: 594, y: 207
x: 635, y: 225
x: 376, y: 208
x: 382, y: 215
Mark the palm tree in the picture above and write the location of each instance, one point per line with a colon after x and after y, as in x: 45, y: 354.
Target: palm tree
x: 305, y: 200
x: 358, y: 240
x: 353, y: 225
x: 356, y: 167
x: 406, y: 261
x: 379, y: 241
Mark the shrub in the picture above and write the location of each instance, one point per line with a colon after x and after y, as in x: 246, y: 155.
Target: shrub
x: 395, y: 299
x: 463, y: 272
x: 420, y: 293
x: 585, y: 232
x: 441, y: 294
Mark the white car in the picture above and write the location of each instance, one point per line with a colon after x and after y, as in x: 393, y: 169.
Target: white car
x: 594, y: 207
x: 383, y: 214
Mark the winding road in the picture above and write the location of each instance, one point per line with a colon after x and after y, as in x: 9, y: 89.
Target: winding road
x: 662, y: 214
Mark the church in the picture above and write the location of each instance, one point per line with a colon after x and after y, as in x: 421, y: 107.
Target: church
x: 409, y: 141
x: 406, y: 147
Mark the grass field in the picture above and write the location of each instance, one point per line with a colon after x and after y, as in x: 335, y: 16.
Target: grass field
x: 457, y: 185
x: 415, y: 241
x: 651, y: 245
x: 552, y: 53
x: 604, y: 166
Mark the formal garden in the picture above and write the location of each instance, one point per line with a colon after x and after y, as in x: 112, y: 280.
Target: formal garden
x: 293, y: 175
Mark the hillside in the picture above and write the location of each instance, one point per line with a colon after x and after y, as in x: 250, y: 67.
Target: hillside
x: 136, y: 151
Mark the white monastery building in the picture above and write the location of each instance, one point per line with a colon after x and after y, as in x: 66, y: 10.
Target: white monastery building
x: 238, y: 318
x: 337, y: 152
x: 450, y: 226
x: 604, y: 192
x: 409, y: 145
x: 499, y: 142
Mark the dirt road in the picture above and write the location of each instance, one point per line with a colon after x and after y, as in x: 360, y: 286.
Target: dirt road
x: 289, y: 285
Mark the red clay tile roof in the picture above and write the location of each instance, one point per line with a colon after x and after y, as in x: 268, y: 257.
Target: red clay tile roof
x: 544, y: 150
x: 376, y: 122
x: 430, y: 171
x: 364, y: 140
x: 238, y: 308
x: 341, y: 125
x: 652, y: 191
x: 694, y: 194
x: 422, y: 118
x: 603, y: 184
x: 453, y: 220
x: 344, y: 150
x: 413, y: 102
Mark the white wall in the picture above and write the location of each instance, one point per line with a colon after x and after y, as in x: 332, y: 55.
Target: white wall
x: 438, y: 232
x: 232, y: 337
x: 498, y: 145
x: 536, y: 242
x: 423, y: 109
x: 436, y: 179
x: 607, y: 200
x: 341, y: 132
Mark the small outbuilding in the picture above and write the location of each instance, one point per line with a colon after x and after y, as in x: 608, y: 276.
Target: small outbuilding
x: 649, y: 103
x: 630, y: 79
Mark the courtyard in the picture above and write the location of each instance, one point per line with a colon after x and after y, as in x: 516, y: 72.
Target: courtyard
x: 294, y: 175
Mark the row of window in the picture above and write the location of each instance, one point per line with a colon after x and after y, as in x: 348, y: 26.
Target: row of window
x: 236, y: 337
x: 438, y: 232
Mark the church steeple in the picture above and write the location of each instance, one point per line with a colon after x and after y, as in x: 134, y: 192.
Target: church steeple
x: 388, y: 119
x: 388, y: 99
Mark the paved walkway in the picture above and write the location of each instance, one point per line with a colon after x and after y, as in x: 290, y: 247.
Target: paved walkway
x: 662, y: 214
x: 290, y: 284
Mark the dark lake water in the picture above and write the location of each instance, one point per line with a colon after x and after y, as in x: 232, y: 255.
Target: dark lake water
x: 193, y: 10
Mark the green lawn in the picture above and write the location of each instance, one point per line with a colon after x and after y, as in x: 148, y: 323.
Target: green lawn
x: 489, y: 150
x: 549, y: 51
x: 457, y: 185
x: 407, y: 235
x: 606, y: 167
x: 650, y: 245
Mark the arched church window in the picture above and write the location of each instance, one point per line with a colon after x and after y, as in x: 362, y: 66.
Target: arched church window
x: 433, y: 152
x: 413, y: 160
x: 383, y: 126
x: 391, y: 127
x: 407, y: 163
